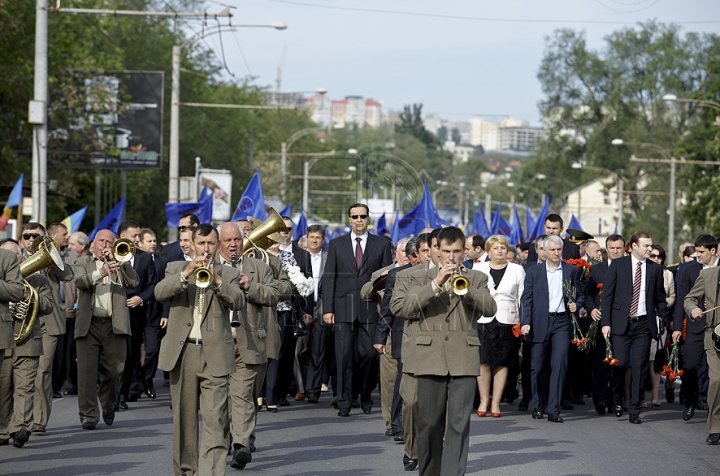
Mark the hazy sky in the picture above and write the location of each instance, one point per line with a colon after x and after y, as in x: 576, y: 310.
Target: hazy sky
x: 457, y: 67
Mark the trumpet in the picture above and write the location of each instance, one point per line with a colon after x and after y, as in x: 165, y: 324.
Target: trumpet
x: 459, y: 284
x: 203, y: 276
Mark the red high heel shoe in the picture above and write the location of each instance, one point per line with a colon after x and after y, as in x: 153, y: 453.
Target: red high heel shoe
x: 481, y: 414
x: 495, y: 415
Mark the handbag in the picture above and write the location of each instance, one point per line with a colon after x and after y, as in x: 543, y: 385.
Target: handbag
x: 299, y: 327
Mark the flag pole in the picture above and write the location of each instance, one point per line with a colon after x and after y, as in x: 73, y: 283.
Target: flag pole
x: 18, y: 232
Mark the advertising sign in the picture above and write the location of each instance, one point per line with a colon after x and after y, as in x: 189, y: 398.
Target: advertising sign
x: 221, y: 185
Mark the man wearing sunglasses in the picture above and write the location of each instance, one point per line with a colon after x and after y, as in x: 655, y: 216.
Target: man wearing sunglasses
x: 187, y: 222
x: 350, y: 262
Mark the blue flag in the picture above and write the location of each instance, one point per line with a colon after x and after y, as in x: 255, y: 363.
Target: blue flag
x: 574, y: 223
x: 252, y: 202
x: 395, y: 230
x: 301, y: 227
x: 499, y: 225
x: 529, y: 219
x: 480, y: 224
x: 287, y: 211
x: 202, y: 209
x: 112, y: 219
x: 382, y: 229
x: 516, y: 233
x: 15, y: 197
x: 72, y: 222
x: 539, y: 228
x: 424, y: 215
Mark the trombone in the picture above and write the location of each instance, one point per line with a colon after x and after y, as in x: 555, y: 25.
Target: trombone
x: 123, y: 250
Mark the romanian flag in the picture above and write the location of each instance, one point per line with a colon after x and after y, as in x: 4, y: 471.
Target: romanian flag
x: 72, y: 223
x: 14, y: 200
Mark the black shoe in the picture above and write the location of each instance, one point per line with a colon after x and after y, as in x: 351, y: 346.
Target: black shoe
x: 713, y: 439
x: 355, y: 404
x: 600, y: 408
x: 367, y: 406
x: 20, y: 437
x: 150, y: 389
x: 4, y: 441
x: 121, y: 404
x: 241, y: 457
x: 334, y: 403
x: 635, y: 419
x: 522, y: 406
x: 109, y: 417
x: 88, y: 425
x: 617, y: 409
x: 555, y: 418
x: 689, y: 412
x: 343, y: 411
x: 398, y: 439
x: 389, y: 433
x: 133, y: 397
x: 566, y: 405
x: 252, y: 448
x: 272, y: 408
x: 283, y: 402
x: 55, y: 394
x: 410, y: 464
x: 700, y: 405
x: 669, y: 395
x: 537, y: 414
x: 71, y: 391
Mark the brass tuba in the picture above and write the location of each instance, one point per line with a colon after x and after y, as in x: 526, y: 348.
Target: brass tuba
x: 264, y: 235
x: 25, y: 312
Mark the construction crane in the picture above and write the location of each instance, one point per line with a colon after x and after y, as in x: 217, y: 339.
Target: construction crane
x: 278, y: 80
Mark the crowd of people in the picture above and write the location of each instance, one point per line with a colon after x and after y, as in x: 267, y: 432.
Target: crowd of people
x: 448, y: 325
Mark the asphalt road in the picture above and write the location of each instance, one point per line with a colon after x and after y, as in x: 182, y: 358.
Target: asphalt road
x: 309, y: 439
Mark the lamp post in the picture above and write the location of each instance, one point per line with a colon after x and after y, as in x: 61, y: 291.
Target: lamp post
x: 700, y: 102
x: 578, y: 165
x: 283, y: 157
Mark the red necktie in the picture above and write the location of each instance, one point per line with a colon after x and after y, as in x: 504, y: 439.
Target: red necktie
x: 636, y: 289
x: 477, y: 260
x: 358, y: 253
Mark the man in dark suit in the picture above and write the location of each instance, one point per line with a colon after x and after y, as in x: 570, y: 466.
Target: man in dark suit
x: 157, y: 314
x: 139, y: 300
x: 351, y: 261
x: 554, y: 226
x: 633, y: 296
x: 693, y: 350
x: 600, y: 373
x: 475, y: 251
x: 187, y: 222
x: 546, y: 322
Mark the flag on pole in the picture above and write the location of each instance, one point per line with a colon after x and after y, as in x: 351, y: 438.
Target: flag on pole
x: 574, y: 223
x: 480, y: 225
x: 539, y: 228
x: 112, y: 219
x: 73, y: 222
x: 287, y: 211
x: 382, y: 229
x: 202, y: 209
x: 516, y: 233
x: 252, y: 202
x: 395, y: 230
x: 529, y: 219
x: 423, y: 215
x: 301, y: 227
x: 14, y: 200
x: 499, y: 225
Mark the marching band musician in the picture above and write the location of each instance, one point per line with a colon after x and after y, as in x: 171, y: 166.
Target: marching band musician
x: 17, y: 377
x: 198, y: 352
x: 102, y: 324
x: 11, y: 290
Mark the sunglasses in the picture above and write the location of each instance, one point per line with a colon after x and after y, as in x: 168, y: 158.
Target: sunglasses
x: 355, y: 217
x: 29, y: 236
x: 289, y: 229
x: 655, y: 256
x: 183, y: 228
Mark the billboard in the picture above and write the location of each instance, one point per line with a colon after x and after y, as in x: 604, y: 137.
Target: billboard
x: 221, y: 185
x: 108, y: 120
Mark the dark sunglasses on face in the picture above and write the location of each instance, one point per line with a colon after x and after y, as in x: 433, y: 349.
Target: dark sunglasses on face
x: 183, y: 228
x: 655, y: 256
x: 30, y: 236
x: 355, y: 217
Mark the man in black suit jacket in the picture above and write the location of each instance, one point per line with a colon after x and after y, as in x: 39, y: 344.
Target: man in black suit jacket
x: 188, y: 221
x: 545, y: 321
x: 350, y: 262
x: 139, y: 299
x: 693, y: 350
x: 633, y: 296
x: 600, y: 378
x: 554, y: 226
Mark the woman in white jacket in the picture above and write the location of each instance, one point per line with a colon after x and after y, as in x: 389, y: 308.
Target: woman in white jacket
x: 498, y: 344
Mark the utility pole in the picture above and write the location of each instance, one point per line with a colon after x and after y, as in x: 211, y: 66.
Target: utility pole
x: 40, y: 95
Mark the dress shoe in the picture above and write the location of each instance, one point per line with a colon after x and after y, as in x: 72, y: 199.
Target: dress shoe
x: 4, y: 441
x: 566, y: 405
x: 635, y: 419
x: 56, y: 394
x: 655, y: 403
x: 713, y: 439
x: 618, y: 410
x: 312, y: 399
x: 71, y: 391
x: 283, y: 402
x: 38, y: 428
x: 272, y: 408
x: 523, y: 406
x: 109, y: 417
x: 334, y: 403
x: 389, y: 433
x: 600, y: 408
x: 355, y: 404
x: 555, y: 418
x: 495, y: 415
x: 20, y: 437
x: 121, y: 404
x: 398, y: 439
x: 688, y: 412
x: 299, y: 397
x: 252, y: 448
x: 700, y: 405
x: 344, y: 412
x: 367, y: 406
x: 150, y: 389
x: 537, y: 414
x: 88, y: 425
x: 481, y: 413
x: 133, y: 397
x: 411, y: 465
x: 241, y: 457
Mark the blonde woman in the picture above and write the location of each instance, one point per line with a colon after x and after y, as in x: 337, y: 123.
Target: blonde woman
x: 498, y: 344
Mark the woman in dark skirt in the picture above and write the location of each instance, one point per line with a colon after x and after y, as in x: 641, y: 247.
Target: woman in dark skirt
x: 498, y: 345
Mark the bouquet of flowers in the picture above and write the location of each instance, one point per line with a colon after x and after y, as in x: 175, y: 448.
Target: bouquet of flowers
x: 578, y: 338
x: 672, y: 370
x: 609, y: 358
x: 582, y: 265
x: 302, y: 287
x: 592, y: 332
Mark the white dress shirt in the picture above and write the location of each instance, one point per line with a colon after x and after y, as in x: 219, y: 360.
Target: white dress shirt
x: 642, y: 309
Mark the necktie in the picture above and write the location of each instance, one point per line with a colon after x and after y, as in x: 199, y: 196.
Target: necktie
x: 636, y: 289
x: 358, y: 253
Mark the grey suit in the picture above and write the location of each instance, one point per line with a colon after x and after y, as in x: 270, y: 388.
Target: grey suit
x: 11, y: 290
x: 101, y: 341
x: 199, y: 371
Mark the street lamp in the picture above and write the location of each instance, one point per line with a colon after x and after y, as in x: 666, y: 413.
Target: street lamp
x: 578, y: 165
x: 671, y: 160
x: 283, y: 157
x: 700, y: 102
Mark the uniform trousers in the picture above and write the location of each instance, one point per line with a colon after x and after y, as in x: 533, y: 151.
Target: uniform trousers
x: 636, y: 339
x: 69, y: 369
x: 191, y: 383
x: 17, y: 390
x: 713, y: 396
x: 245, y: 385
x: 101, y: 350
x: 444, y: 436
x: 388, y: 375
x: 153, y: 337
x: 353, y: 342
x: 600, y: 372
x: 130, y: 384
x: 693, y: 352
x: 554, y: 349
x: 318, y: 337
x: 43, y: 382
x: 408, y: 392
x: 396, y: 422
